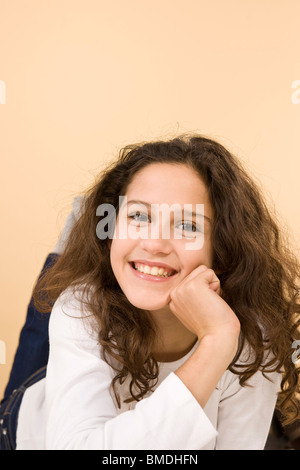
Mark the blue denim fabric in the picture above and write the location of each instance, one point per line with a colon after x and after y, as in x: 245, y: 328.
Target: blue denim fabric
x: 33, y: 349
x: 28, y: 367
x: 9, y: 411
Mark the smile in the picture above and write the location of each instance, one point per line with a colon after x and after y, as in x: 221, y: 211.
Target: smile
x: 152, y: 272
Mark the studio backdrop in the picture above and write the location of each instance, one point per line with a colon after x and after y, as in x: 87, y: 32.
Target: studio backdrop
x: 79, y: 79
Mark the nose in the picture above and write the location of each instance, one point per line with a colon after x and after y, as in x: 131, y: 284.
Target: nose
x: 156, y: 245
x: 154, y: 237
x: 157, y: 240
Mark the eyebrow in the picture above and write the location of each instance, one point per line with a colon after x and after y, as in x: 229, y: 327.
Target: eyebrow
x: 194, y: 214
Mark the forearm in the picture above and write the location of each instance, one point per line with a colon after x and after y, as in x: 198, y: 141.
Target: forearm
x: 203, y: 370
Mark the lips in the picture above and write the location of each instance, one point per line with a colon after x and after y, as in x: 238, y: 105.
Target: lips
x: 153, y: 269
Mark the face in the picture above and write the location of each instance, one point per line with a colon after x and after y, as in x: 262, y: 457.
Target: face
x: 155, y: 248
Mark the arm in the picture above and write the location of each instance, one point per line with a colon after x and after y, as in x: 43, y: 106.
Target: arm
x: 245, y: 413
x: 80, y: 411
x: 197, y: 302
x: 208, y: 363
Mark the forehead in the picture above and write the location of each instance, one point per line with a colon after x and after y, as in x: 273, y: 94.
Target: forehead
x: 169, y: 183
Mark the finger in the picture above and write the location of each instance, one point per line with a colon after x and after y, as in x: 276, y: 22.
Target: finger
x: 215, y: 286
x: 206, y: 274
x: 212, y: 279
x: 200, y: 269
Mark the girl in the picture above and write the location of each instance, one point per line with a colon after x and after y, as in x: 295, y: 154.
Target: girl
x: 167, y: 342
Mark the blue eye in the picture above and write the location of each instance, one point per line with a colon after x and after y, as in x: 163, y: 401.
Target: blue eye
x: 189, y: 226
x: 138, y: 216
x: 188, y: 229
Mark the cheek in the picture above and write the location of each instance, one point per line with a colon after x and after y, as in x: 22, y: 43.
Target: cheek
x: 195, y: 258
x: 115, y: 254
x: 196, y: 252
x: 119, y: 252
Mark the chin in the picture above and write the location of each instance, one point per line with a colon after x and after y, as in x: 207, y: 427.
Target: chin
x: 147, y: 304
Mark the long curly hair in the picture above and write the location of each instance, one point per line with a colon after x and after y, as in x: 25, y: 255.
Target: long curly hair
x: 259, y: 273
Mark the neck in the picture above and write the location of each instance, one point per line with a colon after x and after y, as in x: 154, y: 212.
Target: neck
x: 173, y: 340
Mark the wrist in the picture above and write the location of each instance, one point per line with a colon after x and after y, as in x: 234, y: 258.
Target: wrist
x: 219, y: 347
x: 204, y: 368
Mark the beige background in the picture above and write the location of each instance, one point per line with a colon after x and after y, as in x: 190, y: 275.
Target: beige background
x: 81, y: 78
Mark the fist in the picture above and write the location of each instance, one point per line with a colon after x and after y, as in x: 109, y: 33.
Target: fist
x: 198, y: 304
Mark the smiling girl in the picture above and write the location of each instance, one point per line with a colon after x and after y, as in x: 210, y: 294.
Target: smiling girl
x: 155, y: 344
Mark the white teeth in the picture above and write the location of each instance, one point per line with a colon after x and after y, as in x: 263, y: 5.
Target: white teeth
x: 153, y: 270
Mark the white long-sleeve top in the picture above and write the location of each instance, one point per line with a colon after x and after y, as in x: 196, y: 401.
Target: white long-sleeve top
x: 73, y: 407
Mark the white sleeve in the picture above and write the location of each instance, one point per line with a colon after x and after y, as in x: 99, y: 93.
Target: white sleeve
x: 245, y: 413
x: 80, y: 411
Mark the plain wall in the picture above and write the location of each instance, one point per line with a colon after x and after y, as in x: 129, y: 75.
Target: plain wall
x: 81, y: 78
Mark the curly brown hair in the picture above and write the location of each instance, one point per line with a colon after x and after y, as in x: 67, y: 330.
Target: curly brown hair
x: 259, y: 273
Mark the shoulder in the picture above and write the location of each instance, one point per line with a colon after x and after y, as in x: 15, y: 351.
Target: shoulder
x: 71, y: 316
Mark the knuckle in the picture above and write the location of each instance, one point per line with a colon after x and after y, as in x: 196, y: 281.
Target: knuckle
x: 210, y: 271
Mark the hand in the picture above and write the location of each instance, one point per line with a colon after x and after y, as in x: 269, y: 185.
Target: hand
x: 198, y: 304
